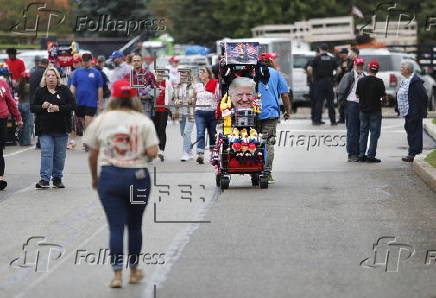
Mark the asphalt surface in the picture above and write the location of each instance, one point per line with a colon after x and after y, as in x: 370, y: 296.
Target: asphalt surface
x: 305, y: 236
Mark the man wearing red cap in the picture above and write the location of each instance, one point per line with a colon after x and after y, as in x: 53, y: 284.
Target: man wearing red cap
x: 347, y: 94
x: 174, y: 71
x: 370, y: 91
x: 16, y: 66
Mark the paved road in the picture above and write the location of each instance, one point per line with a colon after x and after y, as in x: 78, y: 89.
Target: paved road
x: 305, y: 236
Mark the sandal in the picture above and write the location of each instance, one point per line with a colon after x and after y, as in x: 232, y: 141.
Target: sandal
x: 116, y: 283
x: 137, y: 277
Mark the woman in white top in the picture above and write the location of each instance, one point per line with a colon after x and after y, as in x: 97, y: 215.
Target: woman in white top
x: 120, y: 140
x: 205, y: 107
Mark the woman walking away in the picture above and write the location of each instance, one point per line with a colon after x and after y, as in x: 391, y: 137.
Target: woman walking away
x: 7, y: 105
x: 120, y: 139
x: 52, y: 105
x: 205, y: 106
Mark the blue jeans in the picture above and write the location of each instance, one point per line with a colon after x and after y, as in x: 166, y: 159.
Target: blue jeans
x: 186, y: 132
x: 117, y: 189
x: 26, y: 132
x: 352, y: 121
x: 370, y: 122
x: 53, y: 154
x: 203, y: 120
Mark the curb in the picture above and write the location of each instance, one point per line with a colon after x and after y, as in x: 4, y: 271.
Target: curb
x: 426, y: 172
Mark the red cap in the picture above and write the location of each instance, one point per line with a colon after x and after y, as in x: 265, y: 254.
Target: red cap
x: 373, y: 65
x: 173, y: 59
x: 268, y: 56
x: 122, y: 89
x: 77, y: 60
x: 358, y: 61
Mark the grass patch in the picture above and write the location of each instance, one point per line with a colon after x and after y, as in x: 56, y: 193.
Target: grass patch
x: 431, y: 158
x: 434, y: 120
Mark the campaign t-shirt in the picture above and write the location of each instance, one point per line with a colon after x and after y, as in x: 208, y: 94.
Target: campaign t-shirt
x: 121, y: 137
x: 270, y: 94
x: 87, y: 81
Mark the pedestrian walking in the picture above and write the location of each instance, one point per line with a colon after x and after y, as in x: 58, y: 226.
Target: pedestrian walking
x: 145, y: 83
x: 87, y: 86
x: 205, y: 106
x: 164, y: 95
x: 119, y: 140
x: 7, y: 107
x: 370, y: 91
x: 52, y: 105
x: 270, y: 114
x: 174, y: 71
x: 35, y: 81
x: 16, y: 66
x: 412, y: 105
x: 322, y: 67
x: 121, y: 67
x: 106, y: 90
x: 347, y: 94
x: 184, y: 111
x: 24, y: 95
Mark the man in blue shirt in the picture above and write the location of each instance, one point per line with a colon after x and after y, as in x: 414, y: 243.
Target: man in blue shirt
x: 270, y: 114
x: 87, y: 86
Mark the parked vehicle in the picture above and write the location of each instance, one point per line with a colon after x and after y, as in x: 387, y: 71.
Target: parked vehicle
x: 390, y: 72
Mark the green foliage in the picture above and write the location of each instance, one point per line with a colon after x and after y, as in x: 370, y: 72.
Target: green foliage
x: 431, y: 158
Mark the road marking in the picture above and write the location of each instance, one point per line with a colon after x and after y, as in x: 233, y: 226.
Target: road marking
x: 175, y: 249
x: 18, y: 152
x: 58, y: 264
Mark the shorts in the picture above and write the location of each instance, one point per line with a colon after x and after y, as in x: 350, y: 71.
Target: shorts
x: 83, y: 111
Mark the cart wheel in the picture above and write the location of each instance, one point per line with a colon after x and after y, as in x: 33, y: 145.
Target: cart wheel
x: 263, y: 180
x: 218, y: 180
x: 225, y: 181
x: 255, y: 179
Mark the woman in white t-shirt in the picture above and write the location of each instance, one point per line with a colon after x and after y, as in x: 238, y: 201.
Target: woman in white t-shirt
x: 205, y: 107
x: 120, y: 141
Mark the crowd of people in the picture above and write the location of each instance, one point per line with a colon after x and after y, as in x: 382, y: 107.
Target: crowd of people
x: 360, y: 99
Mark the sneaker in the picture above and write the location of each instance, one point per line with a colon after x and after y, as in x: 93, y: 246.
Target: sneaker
x: 200, y: 159
x: 363, y: 158
x: 57, y: 183
x: 42, y: 184
x: 270, y: 178
x: 3, y: 184
x: 353, y: 158
x: 334, y: 123
x: 373, y: 159
x: 161, y: 156
x: 408, y: 158
x: 185, y: 157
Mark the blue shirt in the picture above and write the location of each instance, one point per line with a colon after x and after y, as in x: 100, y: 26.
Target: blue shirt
x: 270, y: 94
x: 87, y: 81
